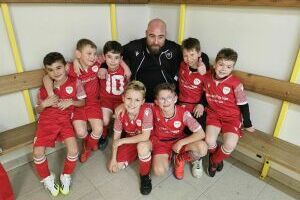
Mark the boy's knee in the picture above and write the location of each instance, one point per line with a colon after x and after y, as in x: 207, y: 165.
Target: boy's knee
x: 73, y: 152
x: 81, y: 132
x: 38, y: 153
x: 143, y: 148
x: 229, y: 147
x: 159, y: 170
x: 202, y: 148
x: 210, y: 141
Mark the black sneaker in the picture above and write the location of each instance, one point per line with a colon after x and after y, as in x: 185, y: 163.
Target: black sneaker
x: 212, y: 168
x: 220, y: 166
x: 102, y: 143
x: 146, y: 185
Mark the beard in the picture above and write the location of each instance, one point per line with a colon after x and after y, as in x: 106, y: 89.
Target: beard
x: 153, y: 49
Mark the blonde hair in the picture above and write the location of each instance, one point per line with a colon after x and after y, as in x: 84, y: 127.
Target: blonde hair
x: 137, y: 86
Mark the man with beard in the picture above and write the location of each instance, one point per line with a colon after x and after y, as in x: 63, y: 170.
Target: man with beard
x: 153, y: 59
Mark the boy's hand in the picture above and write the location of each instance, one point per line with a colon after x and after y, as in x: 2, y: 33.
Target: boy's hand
x: 198, y: 110
x: 64, y: 103
x: 102, y: 73
x: 50, y: 101
x: 201, y: 67
x: 112, y: 165
x: 250, y: 129
x: 101, y: 58
x: 120, y: 110
x: 177, y: 146
x: 77, y: 67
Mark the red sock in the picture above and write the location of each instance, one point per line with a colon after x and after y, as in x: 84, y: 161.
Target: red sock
x: 219, y: 155
x: 41, y: 165
x: 91, y: 141
x: 186, y: 156
x: 70, y: 164
x: 212, y: 149
x: 145, y: 165
x: 105, y: 131
x: 6, y: 192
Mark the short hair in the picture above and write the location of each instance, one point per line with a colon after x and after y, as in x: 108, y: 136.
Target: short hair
x: 227, y: 54
x: 85, y: 42
x: 165, y: 86
x: 53, y: 57
x: 137, y: 86
x: 113, y: 46
x: 190, y: 44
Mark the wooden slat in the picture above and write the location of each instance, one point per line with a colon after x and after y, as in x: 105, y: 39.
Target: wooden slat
x: 20, y: 81
x: 274, y: 149
x: 17, y: 137
x: 78, y: 1
x: 278, y: 89
x: 272, y: 3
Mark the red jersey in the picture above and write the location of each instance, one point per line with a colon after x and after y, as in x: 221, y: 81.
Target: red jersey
x: 71, y: 89
x: 113, y: 85
x: 90, y: 81
x: 143, y: 121
x: 190, y: 85
x: 224, y: 96
x: 172, y: 129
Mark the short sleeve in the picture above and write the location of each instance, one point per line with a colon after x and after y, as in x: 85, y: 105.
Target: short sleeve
x: 191, y: 122
x: 147, y: 123
x: 80, y: 93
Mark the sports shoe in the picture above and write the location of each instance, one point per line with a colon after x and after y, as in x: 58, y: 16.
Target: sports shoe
x: 85, y: 154
x: 197, y: 169
x: 146, y: 185
x: 220, y: 166
x: 65, y: 182
x: 50, y: 185
x: 179, y: 168
x: 102, y: 143
x: 212, y: 168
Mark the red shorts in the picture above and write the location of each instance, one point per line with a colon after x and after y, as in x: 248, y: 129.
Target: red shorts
x: 110, y: 103
x: 127, y: 153
x: 90, y: 111
x: 227, y: 124
x: 162, y: 147
x: 48, y: 132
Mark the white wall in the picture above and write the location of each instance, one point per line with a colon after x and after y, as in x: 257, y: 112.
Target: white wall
x: 267, y: 40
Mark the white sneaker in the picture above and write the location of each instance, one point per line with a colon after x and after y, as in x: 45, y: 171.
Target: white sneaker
x: 197, y: 169
x: 50, y: 185
x: 65, y: 182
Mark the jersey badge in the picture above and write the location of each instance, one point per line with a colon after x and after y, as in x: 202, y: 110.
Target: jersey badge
x: 226, y: 90
x: 69, y: 89
x: 95, y: 68
x: 177, y: 124
x: 197, y: 81
x: 139, y: 122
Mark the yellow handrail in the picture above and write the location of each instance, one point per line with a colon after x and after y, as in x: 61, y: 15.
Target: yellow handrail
x: 17, y: 57
x: 181, y: 23
x: 113, y: 22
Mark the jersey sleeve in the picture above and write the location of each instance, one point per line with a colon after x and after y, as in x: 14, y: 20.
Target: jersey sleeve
x: 147, y: 123
x: 118, y: 127
x: 80, y: 93
x: 191, y: 122
x: 240, y: 95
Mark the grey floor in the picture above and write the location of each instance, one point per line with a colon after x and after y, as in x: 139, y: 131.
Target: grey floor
x: 92, y: 181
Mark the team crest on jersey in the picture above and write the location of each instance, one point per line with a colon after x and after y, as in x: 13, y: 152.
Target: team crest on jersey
x: 95, y: 68
x: 197, y: 81
x: 169, y: 55
x: 139, y: 122
x: 226, y: 90
x: 177, y: 124
x: 69, y: 89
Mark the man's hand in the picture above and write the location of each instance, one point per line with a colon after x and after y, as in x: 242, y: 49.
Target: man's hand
x: 64, y: 103
x: 198, y: 110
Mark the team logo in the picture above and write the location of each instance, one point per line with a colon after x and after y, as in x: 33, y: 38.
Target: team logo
x: 69, y: 89
x: 169, y: 55
x: 139, y: 122
x: 197, y: 81
x: 226, y: 90
x: 95, y: 68
x: 177, y: 124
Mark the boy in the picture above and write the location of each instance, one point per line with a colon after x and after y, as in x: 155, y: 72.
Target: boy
x: 55, y: 122
x: 226, y: 103
x: 86, y: 57
x: 168, y: 135
x: 191, y: 87
x: 112, y: 87
x: 131, y: 129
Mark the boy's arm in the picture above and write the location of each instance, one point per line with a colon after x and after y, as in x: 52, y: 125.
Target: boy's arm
x: 77, y: 67
x: 127, y: 71
x: 48, y: 84
x: 49, y: 101
x: 113, y: 161
x: 246, y: 117
x: 65, y: 103
x: 144, y: 136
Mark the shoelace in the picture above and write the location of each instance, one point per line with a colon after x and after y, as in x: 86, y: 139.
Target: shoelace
x: 65, y: 180
x: 198, y: 165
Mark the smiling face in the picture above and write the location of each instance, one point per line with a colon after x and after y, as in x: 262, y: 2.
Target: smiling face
x: 223, y: 68
x: 86, y: 56
x: 56, y: 71
x: 191, y: 57
x: 166, y: 100
x: 112, y: 60
x: 133, y: 100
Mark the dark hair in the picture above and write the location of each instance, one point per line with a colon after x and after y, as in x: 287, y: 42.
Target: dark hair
x: 53, y: 57
x: 113, y: 46
x: 190, y: 44
x: 165, y: 86
x: 227, y: 54
x: 83, y: 43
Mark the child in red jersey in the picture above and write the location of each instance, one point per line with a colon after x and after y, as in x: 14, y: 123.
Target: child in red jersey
x: 112, y: 87
x: 6, y: 192
x: 227, y: 107
x: 86, y: 57
x: 55, y: 122
x: 131, y: 130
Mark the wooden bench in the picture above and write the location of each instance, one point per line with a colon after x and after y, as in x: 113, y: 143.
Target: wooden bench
x: 23, y: 135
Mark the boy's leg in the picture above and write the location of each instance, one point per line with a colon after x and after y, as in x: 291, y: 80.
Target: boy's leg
x: 80, y: 127
x: 107, y: 114
x: 6, y: 191
x: 97, y: 129
x: 144, y: 154
x: 161, y: 164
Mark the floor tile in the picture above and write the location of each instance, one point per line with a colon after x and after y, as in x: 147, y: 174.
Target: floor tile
x: 94, y: 195
x: 270, y: 192
x: 40, y: 194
